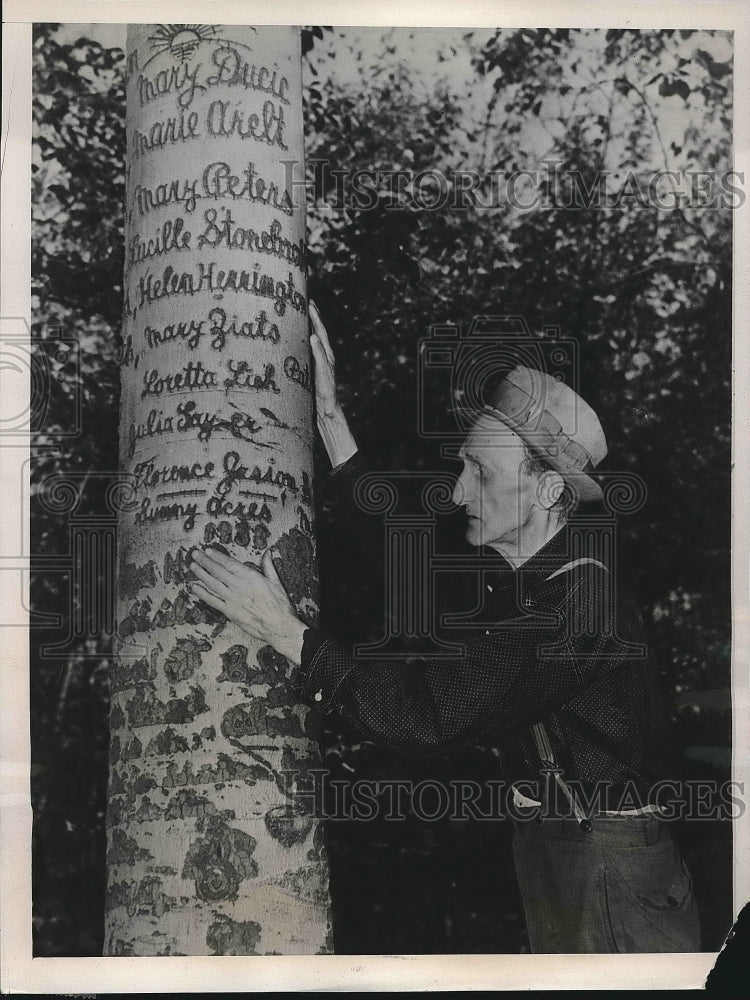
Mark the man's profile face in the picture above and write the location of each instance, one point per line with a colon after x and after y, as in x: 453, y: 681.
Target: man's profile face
x: 497, y: 494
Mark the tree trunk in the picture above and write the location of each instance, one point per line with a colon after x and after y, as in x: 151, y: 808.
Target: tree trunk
x: 213, y: 847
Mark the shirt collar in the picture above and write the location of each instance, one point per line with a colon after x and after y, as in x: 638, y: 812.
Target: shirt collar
x: 552, y: 555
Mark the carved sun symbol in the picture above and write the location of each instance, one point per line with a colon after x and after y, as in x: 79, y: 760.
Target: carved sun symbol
x: 181, y: 40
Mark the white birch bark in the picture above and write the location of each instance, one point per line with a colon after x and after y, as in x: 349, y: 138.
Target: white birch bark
x: 212, y: 848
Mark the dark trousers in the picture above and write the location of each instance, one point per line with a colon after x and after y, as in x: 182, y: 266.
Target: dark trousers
x: 622, y: 887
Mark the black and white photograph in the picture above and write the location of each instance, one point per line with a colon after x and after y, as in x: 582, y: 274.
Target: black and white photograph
x: 374, y: 570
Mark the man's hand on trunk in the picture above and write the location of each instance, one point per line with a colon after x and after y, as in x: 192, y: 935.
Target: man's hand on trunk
x: 251, y: 597
x: 332, y: 423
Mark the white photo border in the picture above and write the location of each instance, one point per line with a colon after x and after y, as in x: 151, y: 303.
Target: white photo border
x: 19, y: 972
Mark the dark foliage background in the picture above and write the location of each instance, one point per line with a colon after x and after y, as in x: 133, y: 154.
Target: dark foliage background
x: 646, y: 293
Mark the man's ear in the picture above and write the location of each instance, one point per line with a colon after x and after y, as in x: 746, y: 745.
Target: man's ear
x: 549, y: 489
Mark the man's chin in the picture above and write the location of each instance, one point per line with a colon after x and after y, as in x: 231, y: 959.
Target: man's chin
x: 474, y: 533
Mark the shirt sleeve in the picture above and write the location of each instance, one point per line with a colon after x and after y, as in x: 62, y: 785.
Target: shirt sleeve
x: 419, y: 706
x: 352, y: 554
x: 353, y: 462
x: 363, y: 530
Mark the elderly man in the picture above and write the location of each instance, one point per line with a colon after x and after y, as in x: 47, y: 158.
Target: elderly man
x: 559, y: 686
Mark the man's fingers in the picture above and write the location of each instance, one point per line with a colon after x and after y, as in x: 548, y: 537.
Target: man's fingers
x: 210, y: 581
x: 269, y: 570
x: 318, y: 350
x: 218, y: 556
x: 222, y: 567
x: 324, y: 371
x: 208, y: 597
x: 321, y: 332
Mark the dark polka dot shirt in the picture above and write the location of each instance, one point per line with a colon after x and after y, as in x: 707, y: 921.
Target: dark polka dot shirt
x: 558, y: 641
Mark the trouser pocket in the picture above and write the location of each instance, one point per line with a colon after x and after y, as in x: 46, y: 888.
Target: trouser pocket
x: 649, y: 898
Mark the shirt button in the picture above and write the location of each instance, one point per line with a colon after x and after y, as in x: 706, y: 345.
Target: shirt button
x: 318, y: 696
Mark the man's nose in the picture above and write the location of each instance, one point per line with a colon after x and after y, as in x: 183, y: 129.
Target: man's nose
x: 459, y: 492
